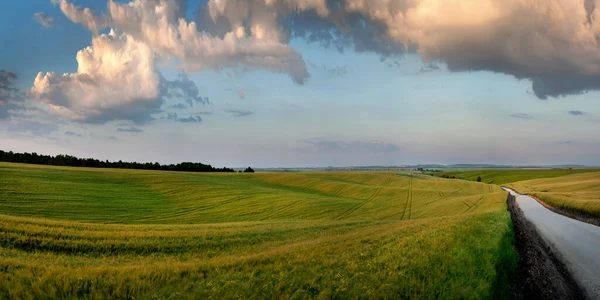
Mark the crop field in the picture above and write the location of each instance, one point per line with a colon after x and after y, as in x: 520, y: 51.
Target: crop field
x: 577, y: 192
x: 503, y: 176
x: 98, y: 233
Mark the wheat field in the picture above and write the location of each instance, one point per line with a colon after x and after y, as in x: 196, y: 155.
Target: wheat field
x: 96, y: 233
x: 577, y: 192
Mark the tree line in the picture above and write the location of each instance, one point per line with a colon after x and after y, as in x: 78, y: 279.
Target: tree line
x: 72, y: 161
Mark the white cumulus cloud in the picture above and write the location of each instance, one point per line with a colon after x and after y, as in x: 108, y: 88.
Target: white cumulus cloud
x: 116, y: 79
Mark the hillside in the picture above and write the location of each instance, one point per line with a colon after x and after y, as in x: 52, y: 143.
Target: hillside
x: 103, y: 233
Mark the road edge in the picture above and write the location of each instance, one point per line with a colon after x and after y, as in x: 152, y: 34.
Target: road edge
x: 541, y: 274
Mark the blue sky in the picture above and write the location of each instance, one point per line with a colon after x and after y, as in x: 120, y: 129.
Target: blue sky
x: 355, y: 108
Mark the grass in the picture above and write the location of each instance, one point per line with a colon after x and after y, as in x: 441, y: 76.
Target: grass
x: 578, y: 192
x: 94, y: 233
x: 503, y: 176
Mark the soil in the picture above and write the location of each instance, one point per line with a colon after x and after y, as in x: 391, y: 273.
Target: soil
x: 541, y: 274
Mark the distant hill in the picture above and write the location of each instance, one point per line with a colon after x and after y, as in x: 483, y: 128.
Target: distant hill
x: 423, y: 167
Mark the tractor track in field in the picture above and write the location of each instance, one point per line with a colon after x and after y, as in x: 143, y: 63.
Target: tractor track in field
x: 442, y: 198
x: 475, y: 205
x: 371, y: 198
x: 344, y: 187
x: 281, y: 209
x: 408, y: 205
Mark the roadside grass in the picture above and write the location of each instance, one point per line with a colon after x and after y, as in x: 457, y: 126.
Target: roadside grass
x: 95, y: 233
x: 578, y: 192
x: 503, y: 176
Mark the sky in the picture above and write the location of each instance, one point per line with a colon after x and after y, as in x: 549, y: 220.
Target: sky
x: 303, y: 83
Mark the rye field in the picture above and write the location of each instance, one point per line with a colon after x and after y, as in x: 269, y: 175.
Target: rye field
x: 127, y: 234
x: 503, y: 176
x: 578, y: 192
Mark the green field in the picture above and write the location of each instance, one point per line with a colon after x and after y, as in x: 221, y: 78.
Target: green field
x: 97, y: 233
x: 578, y: 192
x: 503, y: 176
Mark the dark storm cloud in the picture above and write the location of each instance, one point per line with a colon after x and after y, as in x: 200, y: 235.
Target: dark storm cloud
x: 522, y: 116
x: 576, y: 113
x: 239, y: 113
x: 130, y: 129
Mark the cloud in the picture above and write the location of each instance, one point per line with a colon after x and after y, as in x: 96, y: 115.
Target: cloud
x: 336, y: 71
x: 130, y: 129
x: 552, y: 43
x: 44, y: 19
x: 576, y: 113
x: 566, y: 142
x: 33, y: 127
x: 190, y: 119
x: 239, y: 113
x: 116, y: 80
x: 522, y: 116
x: 160, y: 24
x: 71, y: 133
x: 354, y: 146
x: 10, y: 96
x: 83, y: 16
x: 430, y: 67
x: 179, y: 106
x: 184, y: 89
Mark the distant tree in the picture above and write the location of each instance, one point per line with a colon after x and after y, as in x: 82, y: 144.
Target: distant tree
x: 478, y: 178
x: 249, y: 170
x: 67, y: 160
